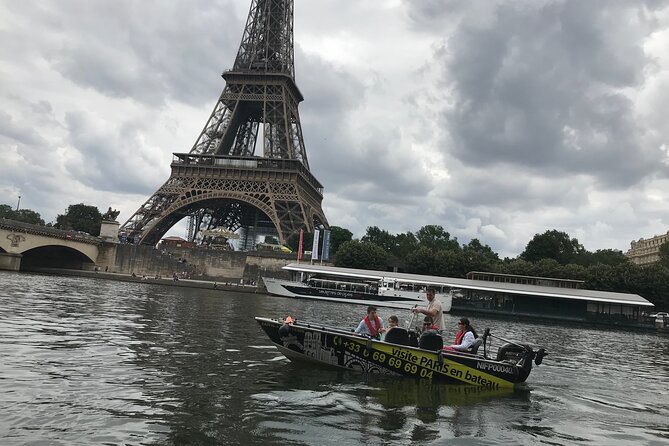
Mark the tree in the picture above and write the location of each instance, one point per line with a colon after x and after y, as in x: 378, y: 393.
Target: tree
x: 28, y: 216
x: 421, y: 261
x: 604, y: 256
x: 435, y: 238
x: 80, y: 217
x: 553, y: 245
x: 479, y: 257
x: 338, y: 236
x: 23, y: 215
x: 293, y: 241
x: 6, y: 211
x: 380, y: 237
x: 450, y: 263
x: 361, y: 255
x: 405, y: 244
x: 664, y: 254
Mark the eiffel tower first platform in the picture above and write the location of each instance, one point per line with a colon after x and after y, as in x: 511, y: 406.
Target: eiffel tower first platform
x: 221, y: 184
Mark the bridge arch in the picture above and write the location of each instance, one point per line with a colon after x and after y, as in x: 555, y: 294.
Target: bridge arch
x: 55, y: 256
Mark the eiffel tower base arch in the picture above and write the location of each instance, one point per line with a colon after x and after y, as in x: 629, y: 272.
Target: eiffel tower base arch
x: 262, y: 196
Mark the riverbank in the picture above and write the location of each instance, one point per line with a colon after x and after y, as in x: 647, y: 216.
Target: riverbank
x: 185, y: 283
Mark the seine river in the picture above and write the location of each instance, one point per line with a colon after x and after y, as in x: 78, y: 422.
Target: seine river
x: 87, y: 361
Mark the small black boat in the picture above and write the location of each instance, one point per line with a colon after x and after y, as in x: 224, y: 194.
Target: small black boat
x: 403, y: 352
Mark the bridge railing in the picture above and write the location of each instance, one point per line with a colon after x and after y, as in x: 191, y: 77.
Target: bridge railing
x: 13, y: 225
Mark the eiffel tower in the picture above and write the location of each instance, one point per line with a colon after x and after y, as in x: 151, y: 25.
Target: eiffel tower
x: 221, y: 184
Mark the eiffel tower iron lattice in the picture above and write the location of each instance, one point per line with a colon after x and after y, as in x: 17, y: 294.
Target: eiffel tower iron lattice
x: 221, y: 183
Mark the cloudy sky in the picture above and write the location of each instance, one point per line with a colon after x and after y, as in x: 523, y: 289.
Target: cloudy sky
x: 495, y: 119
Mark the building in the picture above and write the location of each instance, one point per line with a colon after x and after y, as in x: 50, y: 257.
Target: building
x: 644, y: 252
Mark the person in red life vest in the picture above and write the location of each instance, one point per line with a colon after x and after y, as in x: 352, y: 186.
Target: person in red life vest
x: 370, y: 325
x: 464, y: 338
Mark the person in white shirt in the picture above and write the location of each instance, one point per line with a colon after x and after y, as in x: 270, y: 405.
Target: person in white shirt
x: 433, y: 309
x: 464, y: 338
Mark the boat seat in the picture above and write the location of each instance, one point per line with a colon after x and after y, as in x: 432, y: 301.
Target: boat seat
x: 475, y: 346
x: 431, y: 340
x: 397, y: 335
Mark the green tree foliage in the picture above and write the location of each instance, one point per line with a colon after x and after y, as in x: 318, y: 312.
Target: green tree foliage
x: 479, y: 257
x: 554, y: 245
x: 664, y: 254
x: 451, y: 263
x: 421, y: 261
x: 80, y: 217
x: 338, y: 236
x: 379, y: 237
x: 361, y: 255
x: 293, y: 241
x: 435, y: 238
x: 405, y: 244
x: 23, y: 215
x: 519, y: 267
x: 6, y: 211
x: 605, y: 256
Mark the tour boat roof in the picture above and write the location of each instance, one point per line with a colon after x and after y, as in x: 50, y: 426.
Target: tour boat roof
x: 482, y: 285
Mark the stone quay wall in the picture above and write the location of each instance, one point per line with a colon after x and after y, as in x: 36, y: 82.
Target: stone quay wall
x: 199, y: 263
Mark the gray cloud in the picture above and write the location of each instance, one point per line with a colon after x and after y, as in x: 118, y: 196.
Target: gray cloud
x: 137, y: 50
x: 539, y: 86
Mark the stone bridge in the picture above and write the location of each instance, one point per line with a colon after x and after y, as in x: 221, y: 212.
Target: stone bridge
x: 24, y: 247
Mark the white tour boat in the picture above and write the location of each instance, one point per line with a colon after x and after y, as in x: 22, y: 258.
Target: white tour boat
x: 358, y: 286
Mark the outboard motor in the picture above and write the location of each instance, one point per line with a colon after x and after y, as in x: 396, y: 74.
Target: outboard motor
x: 397, y: 335
x: 431, y: 340
x: 512, y: 352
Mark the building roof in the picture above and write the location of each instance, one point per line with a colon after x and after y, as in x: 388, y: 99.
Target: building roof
x: 482, y: 285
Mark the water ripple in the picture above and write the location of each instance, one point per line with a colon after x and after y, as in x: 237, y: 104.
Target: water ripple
x: 85, y: 361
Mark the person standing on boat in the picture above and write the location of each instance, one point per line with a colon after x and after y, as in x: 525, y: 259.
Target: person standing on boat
x: 434, y: 309
x: 370, y: 325
x: 464, y: 338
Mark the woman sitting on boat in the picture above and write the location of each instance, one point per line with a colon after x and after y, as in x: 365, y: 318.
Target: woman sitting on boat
x: 464, y: 338
x: 370, y: 325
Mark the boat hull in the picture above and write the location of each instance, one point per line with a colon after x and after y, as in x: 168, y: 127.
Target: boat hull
x: 403, y: 300
x: 340, y: 349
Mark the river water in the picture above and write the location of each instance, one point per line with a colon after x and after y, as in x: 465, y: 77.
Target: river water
x: 89, y: 361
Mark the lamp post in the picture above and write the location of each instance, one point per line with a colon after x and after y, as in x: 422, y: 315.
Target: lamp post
x: 18, y: 204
